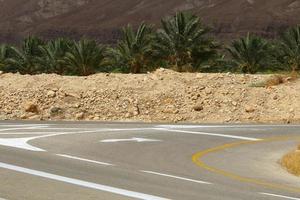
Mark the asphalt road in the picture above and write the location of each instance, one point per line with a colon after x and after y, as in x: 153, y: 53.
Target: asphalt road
x: 88, y: 161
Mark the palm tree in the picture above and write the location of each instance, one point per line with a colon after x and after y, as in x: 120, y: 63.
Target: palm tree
x: 183, y: 41
x: 289, y: 49
x: 250, y: 53
x: 24, y: 59
x: 132, y: 53
x: 3, y: 56
x: 52, y: 55
x: 84, y: 57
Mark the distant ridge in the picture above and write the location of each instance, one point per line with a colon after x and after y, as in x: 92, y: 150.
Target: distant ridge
x: 102, y: 19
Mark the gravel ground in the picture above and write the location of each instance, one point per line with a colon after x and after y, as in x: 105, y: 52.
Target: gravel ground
x: 161, y: 96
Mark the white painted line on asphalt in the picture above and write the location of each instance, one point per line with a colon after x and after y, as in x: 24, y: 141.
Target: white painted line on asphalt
x: 279, y: 196
x: 23, y: 128
x: 134, y: 139
x: 65, y: 128
x: 22, y: 143
x: 81, y: 183
x: 176, y: 177
x: 225, y: 126
x: 83, y: 159
x: 210, y: 134
x: 21, y: 125
x: 26, y: 133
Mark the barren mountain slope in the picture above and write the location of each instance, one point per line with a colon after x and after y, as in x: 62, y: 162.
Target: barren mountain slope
x: 92, y: 17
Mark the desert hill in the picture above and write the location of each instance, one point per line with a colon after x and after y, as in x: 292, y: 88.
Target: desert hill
x: 102, y: 18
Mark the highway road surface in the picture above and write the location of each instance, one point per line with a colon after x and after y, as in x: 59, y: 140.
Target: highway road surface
x: 111, y: 161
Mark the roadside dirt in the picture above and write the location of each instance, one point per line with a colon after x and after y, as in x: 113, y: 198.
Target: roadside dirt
x: 161, y: 96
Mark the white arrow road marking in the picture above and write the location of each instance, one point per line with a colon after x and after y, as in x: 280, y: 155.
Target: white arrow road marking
x: 85, y: 160
x: 134, y: 139
x: 176, y: 177
x: 279, y: 196
x: 81, y: 183
x: 210, y: 134
x: 22, y: 143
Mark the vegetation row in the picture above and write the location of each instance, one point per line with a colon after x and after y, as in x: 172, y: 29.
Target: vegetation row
x: 182, y: 43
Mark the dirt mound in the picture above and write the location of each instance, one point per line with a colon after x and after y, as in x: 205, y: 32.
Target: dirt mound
x: 162, y: 96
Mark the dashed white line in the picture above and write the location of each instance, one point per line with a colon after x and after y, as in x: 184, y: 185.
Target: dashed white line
x: 176, y: 177
x: 81, y: 183
x: 210, y: 134
x: 279, y: 196
x: 85, y: 160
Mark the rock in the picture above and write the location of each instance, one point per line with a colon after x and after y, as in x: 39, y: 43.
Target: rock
x: 55, y: 110
x: 96, y: 118
x: 128, y: 115
x: 176, y: 112
x: 51, y: 94
x: 201, y: 87
x: 234, y: 103
x: 35, y: 117
x: 198, y: 108
x: 249, y: 109
x: 31, y: 107
x: 79, y: 116
x: 23, y: 116
x: 1, y: 72
x: 208, y: 91
x: 136, y: 111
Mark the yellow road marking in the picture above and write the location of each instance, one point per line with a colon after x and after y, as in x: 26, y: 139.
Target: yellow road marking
x: 197, y: 159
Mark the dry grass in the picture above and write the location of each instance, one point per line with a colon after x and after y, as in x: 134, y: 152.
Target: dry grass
x: 277, y: 80
x: 291, y: 162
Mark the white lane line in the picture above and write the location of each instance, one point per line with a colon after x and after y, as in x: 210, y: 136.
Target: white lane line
x: 22, y: 125
x: 176, y: 177
x: 23, y: 128
x: 279, y: 196
x: 224, y: 126
x: 134, y: 139
x: 210, y: 134
x: 81, y: 183
x: 26, y: 133
x: 83, y: 159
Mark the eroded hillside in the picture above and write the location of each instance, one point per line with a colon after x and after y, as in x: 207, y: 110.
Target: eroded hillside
x: 101, y: 18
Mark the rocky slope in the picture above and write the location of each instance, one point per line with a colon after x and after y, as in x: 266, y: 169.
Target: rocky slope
x: 102, y: 18
x: 162, y: 96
